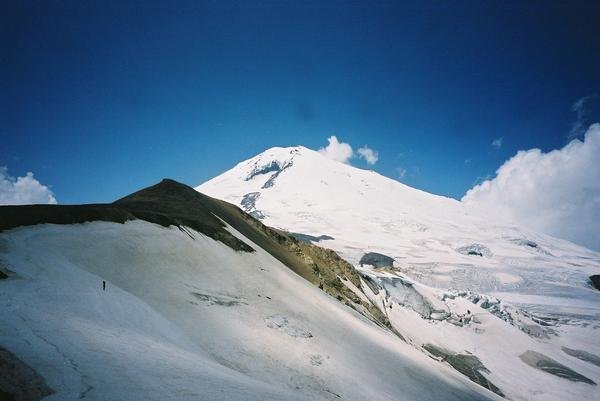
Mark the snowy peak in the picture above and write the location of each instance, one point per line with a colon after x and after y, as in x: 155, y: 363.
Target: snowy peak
x: 458, y: 285
x: 263, y: 169
x: 301, y: 190
x: 310, y: 181
x: 308, y: 163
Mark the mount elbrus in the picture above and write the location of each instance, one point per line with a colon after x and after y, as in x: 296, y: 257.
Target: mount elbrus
x: 294, y: 278
x: 446, y: 277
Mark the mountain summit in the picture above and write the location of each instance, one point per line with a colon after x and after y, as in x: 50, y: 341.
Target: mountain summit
x: 301, y: 190
x: 310, y: 181
x: 452, y: 282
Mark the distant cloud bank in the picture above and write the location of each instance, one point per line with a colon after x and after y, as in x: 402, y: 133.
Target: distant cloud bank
x: 557, y: 192
x: 343, y: 152
x: 23, y: 190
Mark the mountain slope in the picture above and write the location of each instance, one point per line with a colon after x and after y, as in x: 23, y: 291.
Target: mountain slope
x: 458, y: 281
x: 189, y: 314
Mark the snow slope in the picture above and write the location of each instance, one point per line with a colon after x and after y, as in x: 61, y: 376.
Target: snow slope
x: 460, y: 280
x: 185, y: 317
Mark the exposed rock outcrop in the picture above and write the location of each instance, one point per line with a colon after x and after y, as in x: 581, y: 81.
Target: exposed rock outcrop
x: 549, y: 365
x: 583, y: 355
x: 310, y: 238
x: 595, y: 280
x: 467, y: 364
x: 376, y: 260
x: 18, y: 381
x: 475, y: 250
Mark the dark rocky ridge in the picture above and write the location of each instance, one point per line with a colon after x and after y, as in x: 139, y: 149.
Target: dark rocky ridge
x: 167, y: 203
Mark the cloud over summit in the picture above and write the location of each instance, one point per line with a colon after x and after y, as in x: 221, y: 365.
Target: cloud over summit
x: 336, y: 150
x: 343, y: 152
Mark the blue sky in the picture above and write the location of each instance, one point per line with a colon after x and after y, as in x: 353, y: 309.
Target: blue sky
x: 101, y: 99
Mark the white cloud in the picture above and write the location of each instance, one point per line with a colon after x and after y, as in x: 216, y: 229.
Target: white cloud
x: 557, y: 192
x: 371, y: 156
x: 343, y: 152
x: 497, y: 143
x: 336, y: 150
x: 583, y: 108
x: 401, y: 172
x: 23, y: 190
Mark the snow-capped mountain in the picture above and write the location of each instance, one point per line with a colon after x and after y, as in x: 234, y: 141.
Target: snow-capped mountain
x: 453, y: 283
x: 168, y: 294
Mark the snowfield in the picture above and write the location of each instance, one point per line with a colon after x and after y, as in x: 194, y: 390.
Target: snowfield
x: 461, y: 281
x: 187, y: 318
